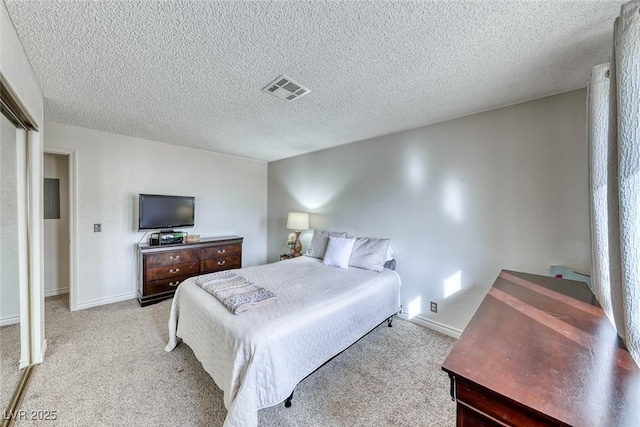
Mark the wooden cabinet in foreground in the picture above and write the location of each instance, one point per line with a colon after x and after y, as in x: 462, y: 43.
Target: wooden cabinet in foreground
x: 162, y: 268
x: 540, y: 351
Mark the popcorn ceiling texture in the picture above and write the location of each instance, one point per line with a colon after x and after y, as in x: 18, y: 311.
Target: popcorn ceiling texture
x: 191, y: 72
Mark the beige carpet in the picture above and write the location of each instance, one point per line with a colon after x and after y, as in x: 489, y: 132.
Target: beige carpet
x: 107, y: 366
x: 9, y: 362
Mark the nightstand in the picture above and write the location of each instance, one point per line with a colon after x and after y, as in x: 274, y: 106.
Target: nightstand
x: 285, y: 256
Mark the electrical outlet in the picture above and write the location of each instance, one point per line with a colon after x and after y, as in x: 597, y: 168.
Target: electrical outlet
x: 434, y: 307
x: 97, y: 228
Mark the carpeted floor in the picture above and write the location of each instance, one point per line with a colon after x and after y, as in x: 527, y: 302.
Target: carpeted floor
x: 9, y: 362
x: 107, y: 366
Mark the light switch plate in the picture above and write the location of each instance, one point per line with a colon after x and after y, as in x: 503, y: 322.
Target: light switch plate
x: 97, y: 228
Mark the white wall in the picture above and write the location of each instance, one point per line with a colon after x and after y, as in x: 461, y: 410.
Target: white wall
x: 56, y: 231
x: 460, y: 200
x: 16, y: 69
x: 230, y: 192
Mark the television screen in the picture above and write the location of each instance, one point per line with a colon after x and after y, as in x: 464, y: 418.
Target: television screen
x: 165, y: 212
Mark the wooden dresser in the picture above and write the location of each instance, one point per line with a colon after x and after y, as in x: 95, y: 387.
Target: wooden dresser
x: 163, y: 268
x: 540, y: 351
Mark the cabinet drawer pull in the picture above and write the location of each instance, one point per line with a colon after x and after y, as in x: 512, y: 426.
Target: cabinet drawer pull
x: 174, y: 257
x: 174, y: 284
x: 174, y: 271
x: 223, y: 262
x: 221, y: 251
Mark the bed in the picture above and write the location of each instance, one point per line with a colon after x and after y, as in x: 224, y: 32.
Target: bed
x: 258, y: 357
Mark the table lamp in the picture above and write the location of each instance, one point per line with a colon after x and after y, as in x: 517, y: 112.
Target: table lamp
x: 297, y: 221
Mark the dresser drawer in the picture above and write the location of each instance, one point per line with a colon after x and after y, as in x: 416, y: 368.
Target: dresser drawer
x: 171, y: 271
x: 162, y: 268
x: 209, y: 265
x: 163, y: 285
x: 171, y: 258
x: 220, y: 251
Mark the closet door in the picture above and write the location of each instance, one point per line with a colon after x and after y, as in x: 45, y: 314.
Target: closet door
x: 14, y: 295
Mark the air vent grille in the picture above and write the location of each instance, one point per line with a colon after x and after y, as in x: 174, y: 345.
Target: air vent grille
x: 285, y: 88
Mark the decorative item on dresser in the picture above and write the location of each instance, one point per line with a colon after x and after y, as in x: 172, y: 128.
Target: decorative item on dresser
x: 297, y: 221
x: 163, y: 268
x: 540, y: 351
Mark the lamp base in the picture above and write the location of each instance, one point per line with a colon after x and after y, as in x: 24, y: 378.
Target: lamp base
x: 297, y: 247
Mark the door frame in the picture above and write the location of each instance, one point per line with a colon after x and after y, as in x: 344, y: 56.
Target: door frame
x: 26, y: 356
x: 72, y: 159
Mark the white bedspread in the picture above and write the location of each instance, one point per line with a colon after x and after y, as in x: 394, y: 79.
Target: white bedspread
x: 258, y: 357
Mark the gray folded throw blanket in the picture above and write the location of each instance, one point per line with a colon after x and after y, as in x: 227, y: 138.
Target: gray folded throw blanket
x: 234, y: 291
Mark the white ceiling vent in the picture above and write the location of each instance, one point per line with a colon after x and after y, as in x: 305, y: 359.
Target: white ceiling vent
x: 285, y: 88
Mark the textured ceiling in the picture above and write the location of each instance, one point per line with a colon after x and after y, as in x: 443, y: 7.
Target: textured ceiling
x: 191, y: 73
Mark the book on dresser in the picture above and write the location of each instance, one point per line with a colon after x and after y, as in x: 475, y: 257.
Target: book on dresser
x: 162, y: 268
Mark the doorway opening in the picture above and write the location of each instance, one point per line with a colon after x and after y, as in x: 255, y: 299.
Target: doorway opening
x: 59, y: 228
x: 56, y: 225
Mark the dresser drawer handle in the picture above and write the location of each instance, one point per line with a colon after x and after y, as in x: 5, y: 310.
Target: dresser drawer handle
x: 176, y: 257
x: 223, y: 262
x: 174, y: 271
x: 221, y: 251
x: 174, y: 284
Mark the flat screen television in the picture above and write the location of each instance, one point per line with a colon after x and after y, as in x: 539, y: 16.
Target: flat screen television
x: 165, y: 212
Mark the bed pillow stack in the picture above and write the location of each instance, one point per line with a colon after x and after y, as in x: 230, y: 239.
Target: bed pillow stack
x: 320, y: 241
x: 340, y: 250
x: 369, y: 253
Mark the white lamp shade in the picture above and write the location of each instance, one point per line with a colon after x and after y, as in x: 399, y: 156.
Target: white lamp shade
x: 298, y: 221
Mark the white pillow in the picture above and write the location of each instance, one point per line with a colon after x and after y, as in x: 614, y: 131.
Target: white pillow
x: 389, y: 253
x: 319, y: 242
x: 338, y: 252
x: 369, y: 253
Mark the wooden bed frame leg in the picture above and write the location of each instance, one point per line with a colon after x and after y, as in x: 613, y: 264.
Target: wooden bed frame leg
x: 389, y: 320
x: 287, y: 401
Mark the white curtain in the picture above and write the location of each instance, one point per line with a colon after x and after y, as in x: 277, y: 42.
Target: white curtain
x: 614, y: 148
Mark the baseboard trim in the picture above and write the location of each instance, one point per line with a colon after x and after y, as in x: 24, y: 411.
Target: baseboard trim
x: 55, y: 292
x: 6, y: 321
x: 105, y: 301
x: 432, y: 324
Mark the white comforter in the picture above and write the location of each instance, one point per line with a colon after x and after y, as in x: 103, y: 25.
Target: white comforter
x: 258, y: 357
